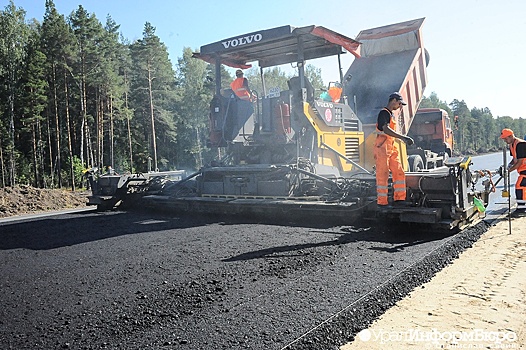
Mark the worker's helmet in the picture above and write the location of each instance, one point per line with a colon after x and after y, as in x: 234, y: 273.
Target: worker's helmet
x: 505, y: 133
x: 396, y: 95
x: 239, y: 73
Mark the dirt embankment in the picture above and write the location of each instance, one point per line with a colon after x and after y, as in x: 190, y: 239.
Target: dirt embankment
x: 19, y: 200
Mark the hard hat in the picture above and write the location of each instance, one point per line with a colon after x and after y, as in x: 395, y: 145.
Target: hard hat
x: 239, y: 72
x: 398, y: 97
x: 505, y: 133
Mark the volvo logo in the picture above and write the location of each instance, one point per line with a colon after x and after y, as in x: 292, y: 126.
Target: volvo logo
x: 328, y: 115
x: 324, y: 104
x: 242, y: 40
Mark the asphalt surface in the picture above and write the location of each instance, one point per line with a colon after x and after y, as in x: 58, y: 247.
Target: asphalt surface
x: 142, y: 280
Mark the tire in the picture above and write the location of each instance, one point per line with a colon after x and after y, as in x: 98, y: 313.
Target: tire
x: 416, y: 163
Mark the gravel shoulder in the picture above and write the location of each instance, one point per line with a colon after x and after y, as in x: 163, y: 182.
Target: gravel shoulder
x: 22, y: 199
x: 477, y: 302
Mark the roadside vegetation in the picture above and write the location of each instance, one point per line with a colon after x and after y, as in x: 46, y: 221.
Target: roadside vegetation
x: 75, y: 94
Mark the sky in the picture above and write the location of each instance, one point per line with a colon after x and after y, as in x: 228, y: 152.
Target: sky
x: 477, y: 48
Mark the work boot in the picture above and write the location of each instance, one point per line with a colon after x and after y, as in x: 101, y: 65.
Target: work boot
x: 399, y: 204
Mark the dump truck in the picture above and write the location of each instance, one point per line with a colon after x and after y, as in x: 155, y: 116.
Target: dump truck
x: 431, y: 129
x: 295, y: 155
x: 393, y: 58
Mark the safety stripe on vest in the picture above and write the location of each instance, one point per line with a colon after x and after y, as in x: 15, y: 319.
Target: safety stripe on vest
x: 242, y: 94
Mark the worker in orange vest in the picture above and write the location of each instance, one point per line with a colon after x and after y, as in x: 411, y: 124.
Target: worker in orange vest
x: 386, y: 154
x: 240, y: 86
x: 518, y: 162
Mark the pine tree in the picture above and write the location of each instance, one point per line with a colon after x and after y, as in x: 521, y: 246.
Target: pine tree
x: 85, y: 70
x: 34, y: 100
x: 14, y: 34
x: 153, y: 95
x: 56, y: 42
x: 195, y: 95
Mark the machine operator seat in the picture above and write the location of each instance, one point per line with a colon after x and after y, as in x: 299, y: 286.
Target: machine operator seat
x: 295, y: 87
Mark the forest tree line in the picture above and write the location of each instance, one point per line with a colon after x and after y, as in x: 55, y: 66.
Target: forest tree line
x: 75, y: 94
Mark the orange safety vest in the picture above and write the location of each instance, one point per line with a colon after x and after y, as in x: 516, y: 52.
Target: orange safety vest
x: 392, y: 125
x: 335, y: 93
x: 520, y: 185
x: 513, y: 150
x: 240, y: 89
